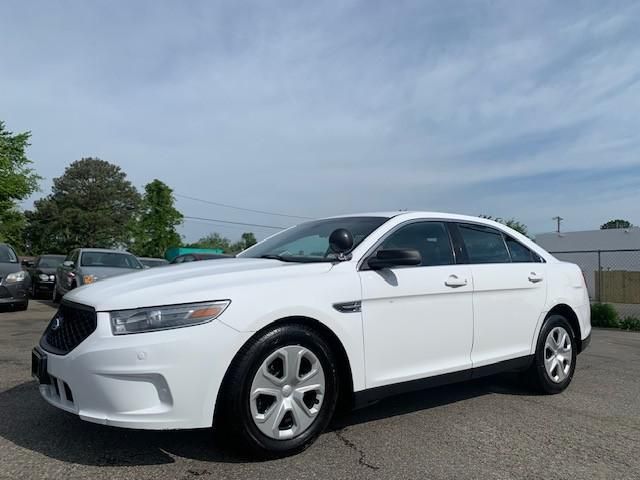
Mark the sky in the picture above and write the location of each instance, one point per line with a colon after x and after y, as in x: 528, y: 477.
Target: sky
x: 512, y: 109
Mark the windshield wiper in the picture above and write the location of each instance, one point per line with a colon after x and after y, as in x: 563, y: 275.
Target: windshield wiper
x: 274, y: 256
x: 298, y: 259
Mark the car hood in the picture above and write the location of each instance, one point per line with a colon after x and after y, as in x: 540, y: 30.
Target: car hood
x: 7, y: 268
x: 190, y: 282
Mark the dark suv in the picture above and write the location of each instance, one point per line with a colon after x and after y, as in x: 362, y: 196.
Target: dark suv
x: 14, y: 281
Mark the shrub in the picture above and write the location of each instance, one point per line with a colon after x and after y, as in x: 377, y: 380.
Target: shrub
x: 604, y: 315
x: 630, y: 323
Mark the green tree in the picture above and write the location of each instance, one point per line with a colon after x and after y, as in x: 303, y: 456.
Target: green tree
x: 511, y: 223
x: 12, y: 223
x: 617, y: 223
x: 17, y: 182
x: 215, y: 240
x: 91, y: 205
x: 155, y: 229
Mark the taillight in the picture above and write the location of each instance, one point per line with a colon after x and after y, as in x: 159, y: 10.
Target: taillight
x: 584, y: 278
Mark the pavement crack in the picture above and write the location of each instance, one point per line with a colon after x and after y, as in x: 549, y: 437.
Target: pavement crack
x: 361, y: 454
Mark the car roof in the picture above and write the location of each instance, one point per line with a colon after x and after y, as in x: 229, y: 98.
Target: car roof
x: 409, y: 214
x: 104, y: 250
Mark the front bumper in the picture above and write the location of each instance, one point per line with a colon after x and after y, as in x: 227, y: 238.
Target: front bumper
x: 13, y: 293
x: 41, y: 286
x: 157, y: 380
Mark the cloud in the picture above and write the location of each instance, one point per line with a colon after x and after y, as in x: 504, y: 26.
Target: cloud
x: 316, y: 108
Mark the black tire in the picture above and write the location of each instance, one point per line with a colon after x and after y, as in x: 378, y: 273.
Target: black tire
x: 22, y: 306
x: 537, y: 375
x: 55, y: 296
x: 233, y: 414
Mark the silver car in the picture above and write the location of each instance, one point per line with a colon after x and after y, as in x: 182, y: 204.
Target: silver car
x: 88, y: 265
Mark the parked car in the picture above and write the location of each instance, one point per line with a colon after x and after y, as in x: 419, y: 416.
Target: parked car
x: 152, y: 262
x: 350, y: 309
x: 196, y: 257
x: 42, y: 273
x: 13, y: 280
x: 88, y: 265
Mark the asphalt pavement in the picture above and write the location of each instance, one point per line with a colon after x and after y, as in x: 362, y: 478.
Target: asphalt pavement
x: 490, y: 429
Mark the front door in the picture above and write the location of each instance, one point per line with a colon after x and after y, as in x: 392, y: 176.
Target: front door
x: 417, y: 320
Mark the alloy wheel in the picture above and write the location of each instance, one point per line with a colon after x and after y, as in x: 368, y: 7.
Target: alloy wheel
x: 287, y: 392
x: 557, y: 354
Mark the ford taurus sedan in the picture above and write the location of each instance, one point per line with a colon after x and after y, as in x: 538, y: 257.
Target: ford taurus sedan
x: 84, y: 266
x: 342, y: 311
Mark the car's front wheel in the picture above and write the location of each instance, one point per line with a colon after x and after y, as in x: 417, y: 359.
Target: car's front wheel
x: 280, y: 392
x: 55, y: 296
x: 555, y: 357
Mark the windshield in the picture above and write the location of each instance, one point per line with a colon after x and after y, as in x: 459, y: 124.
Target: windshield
x: 50, y: 262
x: 309, y: 241
x: 7, y: 255
x: 109, y: 259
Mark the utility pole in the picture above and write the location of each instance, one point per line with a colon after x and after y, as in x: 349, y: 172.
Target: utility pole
x: 558, y: 220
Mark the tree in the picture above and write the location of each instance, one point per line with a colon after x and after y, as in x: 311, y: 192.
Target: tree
x: 155, y: 229
x: 17, y: 182
x: 215, y: 240
x: 12, y: 223
x: 511, y: 223
x: 618, y: 223
x: 17, y: 179
x: 91, y: 205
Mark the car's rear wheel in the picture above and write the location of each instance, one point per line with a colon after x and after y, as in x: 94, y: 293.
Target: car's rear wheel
x: 555, y: 357
x: 280, y: 392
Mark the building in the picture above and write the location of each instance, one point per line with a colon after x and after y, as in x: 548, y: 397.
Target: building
x: 589, y: 240
x: 612, y: 255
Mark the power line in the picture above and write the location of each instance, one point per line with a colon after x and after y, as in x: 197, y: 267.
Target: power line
x: 203, y: 219
x: 240, y: 208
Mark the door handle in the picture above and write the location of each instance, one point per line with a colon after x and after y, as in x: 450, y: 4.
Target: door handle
x: 534, y: 277
x: 454, y: 282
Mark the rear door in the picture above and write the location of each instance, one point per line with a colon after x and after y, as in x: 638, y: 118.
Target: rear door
x: 509, y: 293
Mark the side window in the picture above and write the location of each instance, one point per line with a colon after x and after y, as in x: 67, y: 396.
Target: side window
x: 431, y: 239
x: 483, y: 244
x: 520, y: 253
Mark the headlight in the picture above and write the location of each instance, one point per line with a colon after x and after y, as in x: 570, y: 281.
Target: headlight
x: 87, y: 279
x: 52, y: 277
x: 44, y: 277
x: 15, y: 277
x: 162, y: 318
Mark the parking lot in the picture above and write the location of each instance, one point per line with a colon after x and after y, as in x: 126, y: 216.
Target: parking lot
x: 489, y: 428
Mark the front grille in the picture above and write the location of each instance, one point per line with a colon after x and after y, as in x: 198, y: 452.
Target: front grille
x: 71, y: 324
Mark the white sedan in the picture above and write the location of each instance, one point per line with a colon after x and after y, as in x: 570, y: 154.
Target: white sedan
x: 333, y: 312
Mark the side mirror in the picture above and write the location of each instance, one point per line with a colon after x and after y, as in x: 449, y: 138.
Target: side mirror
x: 395, y: 258
x: 340, y: 240
x: 68, y: 263
x: 28, y: 263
